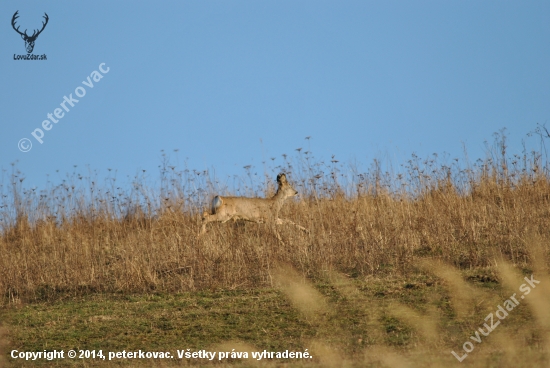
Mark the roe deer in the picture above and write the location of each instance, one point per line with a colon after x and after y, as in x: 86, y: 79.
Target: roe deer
x: 259, y: 210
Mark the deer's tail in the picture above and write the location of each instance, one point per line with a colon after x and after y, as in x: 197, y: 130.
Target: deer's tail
x: 216, y: 203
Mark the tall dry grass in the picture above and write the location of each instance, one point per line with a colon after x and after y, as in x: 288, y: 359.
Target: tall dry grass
x: 90, y: 235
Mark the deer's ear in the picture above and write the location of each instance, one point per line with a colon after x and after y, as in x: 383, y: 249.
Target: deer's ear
x: 23, y: 36
x: 281, y: 178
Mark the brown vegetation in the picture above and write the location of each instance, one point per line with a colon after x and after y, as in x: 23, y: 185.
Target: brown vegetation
x: 80, y: 238
x: 396, y: 269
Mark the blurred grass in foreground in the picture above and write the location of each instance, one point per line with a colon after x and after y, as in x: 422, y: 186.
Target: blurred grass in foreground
x: 374, y: 322
x: 398, y: 269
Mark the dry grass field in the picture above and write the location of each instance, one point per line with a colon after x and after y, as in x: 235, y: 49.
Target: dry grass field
x: 399, y: 268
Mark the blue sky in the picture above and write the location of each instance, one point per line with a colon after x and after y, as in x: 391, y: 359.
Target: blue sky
x: 231, y: 83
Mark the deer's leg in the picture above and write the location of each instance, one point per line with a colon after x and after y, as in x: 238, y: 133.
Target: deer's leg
x: 285, y: 221
x: 207, y: 218
x: 203, y: 224
x: 277, y: 235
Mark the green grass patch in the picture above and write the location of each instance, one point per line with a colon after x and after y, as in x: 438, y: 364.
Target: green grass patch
x: 357, y: 319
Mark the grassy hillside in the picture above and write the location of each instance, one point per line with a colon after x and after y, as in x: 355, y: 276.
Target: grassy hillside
x: 399, y: 267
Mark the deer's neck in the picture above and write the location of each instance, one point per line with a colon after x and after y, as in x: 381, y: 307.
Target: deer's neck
x: 278, y: 199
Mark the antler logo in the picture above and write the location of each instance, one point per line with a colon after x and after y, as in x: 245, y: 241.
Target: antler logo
x: 29, y: 40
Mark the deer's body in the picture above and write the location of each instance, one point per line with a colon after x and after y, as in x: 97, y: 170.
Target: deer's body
x: 259, y: 210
